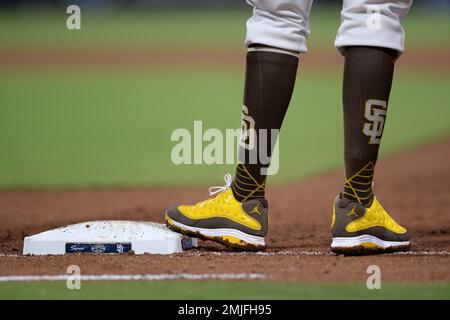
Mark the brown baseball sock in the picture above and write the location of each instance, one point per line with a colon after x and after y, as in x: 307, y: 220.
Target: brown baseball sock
x: 269, y: 82
x: 367, y: 83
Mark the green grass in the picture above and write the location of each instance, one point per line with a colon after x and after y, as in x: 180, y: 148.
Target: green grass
x: 221, y: 290
x: 114, y: 128
x: 124, y: 28
x: 185, y: 28
x: 104, y: 127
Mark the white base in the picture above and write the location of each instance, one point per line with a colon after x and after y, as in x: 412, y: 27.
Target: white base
x: 349, y: 242
x: 223, y: 233
x: 108, y: 236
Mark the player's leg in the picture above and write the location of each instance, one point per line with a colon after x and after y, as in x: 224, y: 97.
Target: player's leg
x: 370, y: 38
x: 276, y: 33
x: 237, y: 216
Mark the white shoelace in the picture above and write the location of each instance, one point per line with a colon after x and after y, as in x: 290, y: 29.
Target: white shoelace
x: 217, y: 189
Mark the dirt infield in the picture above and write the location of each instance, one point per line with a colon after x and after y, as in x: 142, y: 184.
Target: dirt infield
x: 95, y: 59
x: 414, y: 187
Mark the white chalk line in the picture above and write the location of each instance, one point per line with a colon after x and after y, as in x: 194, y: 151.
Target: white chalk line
x: 135, y: 277
x: 424, y: 253
x: 3, y: 255
x: 315, y: 253
x: 197, y: 253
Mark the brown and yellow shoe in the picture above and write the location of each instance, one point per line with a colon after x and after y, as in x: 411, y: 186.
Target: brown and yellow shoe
x: 359, y: 230
x: 221, y: 218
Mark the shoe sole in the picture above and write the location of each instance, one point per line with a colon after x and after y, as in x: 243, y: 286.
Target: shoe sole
x: 231, y: 238
x: 366, y: 244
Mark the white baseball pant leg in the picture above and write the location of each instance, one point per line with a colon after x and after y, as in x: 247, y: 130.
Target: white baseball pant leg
x: 284, y: 24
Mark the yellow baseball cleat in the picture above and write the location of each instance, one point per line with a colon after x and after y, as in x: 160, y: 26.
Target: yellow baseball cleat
x: 360, y: 230
x: 223, y: 219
